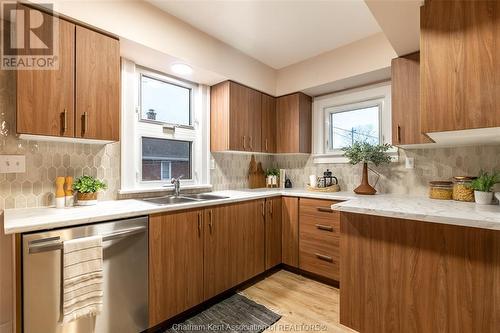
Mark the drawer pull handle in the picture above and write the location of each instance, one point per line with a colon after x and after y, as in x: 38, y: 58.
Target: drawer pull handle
x: 325, y: 209
x: 323, y: 257
x: 324, y: 227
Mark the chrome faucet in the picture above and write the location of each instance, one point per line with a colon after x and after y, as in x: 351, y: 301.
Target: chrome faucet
x: 177, y: 185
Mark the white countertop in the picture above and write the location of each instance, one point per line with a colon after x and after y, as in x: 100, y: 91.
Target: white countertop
x: 424, y: 209
x: 415, y: 208
x: 33, y: 219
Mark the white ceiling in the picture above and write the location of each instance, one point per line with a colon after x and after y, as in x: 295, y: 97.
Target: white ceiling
x: 278, y: 33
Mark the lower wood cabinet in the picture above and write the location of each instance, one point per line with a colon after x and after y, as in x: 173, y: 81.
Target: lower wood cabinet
x: 175, y: 263
x: 290, y: 231
x: 197, y: 254
x: 319, y: 238
x: 273, y: 232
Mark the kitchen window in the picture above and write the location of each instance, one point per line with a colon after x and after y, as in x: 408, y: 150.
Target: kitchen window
x: 340, y: 119
x: 165, y: 130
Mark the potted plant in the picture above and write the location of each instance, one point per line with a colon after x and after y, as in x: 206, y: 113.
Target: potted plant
x: 86, y: 188
x: 483, y: 185
x: 272, y: 177
x: 366, y: 153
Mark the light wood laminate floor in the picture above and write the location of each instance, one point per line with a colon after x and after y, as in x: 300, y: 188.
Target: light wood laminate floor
x: 305, y: 305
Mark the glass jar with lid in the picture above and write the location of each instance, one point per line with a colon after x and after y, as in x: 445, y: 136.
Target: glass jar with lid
x: 462, y: 190
x: 441, y: 190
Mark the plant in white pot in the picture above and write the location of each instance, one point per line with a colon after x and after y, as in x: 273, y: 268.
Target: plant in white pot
x: 86, y: 188
x: 483, y: 185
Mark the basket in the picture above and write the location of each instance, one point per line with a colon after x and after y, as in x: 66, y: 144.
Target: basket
x: 332, y: 188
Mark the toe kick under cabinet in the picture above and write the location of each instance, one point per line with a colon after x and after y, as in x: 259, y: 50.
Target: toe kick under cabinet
x: 319, y: 238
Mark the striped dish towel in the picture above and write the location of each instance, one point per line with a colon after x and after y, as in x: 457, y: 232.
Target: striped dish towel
x: 82, y: 278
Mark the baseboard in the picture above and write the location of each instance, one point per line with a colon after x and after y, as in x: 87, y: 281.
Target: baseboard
x: 312, y: 276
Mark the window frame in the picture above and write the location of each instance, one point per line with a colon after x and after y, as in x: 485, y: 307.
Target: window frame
x: 144, y: 72
x: 328, y: 112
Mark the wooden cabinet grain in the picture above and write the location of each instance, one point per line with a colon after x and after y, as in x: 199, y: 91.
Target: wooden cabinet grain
x: 97, y: 86
x: 294, y: 127
x: 406, y: 129
x: 273, y: 232
x: 175, y: 263
x: 45, y: 98
x: 268, y: 141
x: 290, y: 233
x: 459, y: 56
x: 235, y: 117
x: 81, y: 98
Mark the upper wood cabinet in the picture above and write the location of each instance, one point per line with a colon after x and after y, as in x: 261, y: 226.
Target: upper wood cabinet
x: 268, y: 124
x: 406, y: 129
x: 293, y: 120
x: 235, y: 117
x: 459, y: 55
x: 175, y: 263
x: 45, y: 98
x: 97, y: 86
x: 81, y: 98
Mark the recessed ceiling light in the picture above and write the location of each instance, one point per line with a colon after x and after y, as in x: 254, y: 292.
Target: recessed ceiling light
x: 182, y: 69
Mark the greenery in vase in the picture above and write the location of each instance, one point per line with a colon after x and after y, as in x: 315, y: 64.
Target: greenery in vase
x: 88, y: 184
x: 485, y: 181
x: 272, y: 172
x: 366, y: 152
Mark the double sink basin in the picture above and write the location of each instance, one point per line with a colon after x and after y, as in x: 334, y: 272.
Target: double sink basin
x: 172, y: 200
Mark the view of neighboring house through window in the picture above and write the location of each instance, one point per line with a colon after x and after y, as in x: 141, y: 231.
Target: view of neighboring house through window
x: 163, y: 159
x: 349, y: 124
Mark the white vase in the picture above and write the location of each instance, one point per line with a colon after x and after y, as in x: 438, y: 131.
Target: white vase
x: 483, y: 198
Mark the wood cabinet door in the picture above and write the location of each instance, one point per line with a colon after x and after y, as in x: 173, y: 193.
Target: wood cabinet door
x: 459, y: 55
x: 290, y: 231
x: 254, y: 123
x: 268, y: 141
x: 273, y: 232
x: 45, y: 98
x: 175, y: 263
x: 238, y: 117
x: 97, y: 86
x: 248, y: 240
x: 287, y: 120
x: 406, y: 129
x: 218, y: 275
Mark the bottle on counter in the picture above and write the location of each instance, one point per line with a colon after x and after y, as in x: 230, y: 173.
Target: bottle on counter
x: 60, y: 195
x: 69, y: 198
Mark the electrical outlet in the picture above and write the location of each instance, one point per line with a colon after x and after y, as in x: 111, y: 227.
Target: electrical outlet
x: 12, y: 163
x: 410, y: 163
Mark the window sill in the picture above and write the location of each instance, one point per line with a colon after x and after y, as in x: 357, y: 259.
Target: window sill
x: 164, y: 189
x: 338, y: 158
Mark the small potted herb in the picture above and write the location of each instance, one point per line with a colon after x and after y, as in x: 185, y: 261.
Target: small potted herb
x: 272, y: 177
x: 366, y: 153
x: 86, y: 188
x: 483, y: 185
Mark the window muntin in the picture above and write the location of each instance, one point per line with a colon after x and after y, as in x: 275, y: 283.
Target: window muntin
x: 353, y: 123
x: 164, y: 102
x: 163, y: 159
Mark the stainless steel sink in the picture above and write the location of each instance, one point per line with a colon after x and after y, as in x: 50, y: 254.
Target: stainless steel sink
x: 169, y: 200
x: 205, y: 196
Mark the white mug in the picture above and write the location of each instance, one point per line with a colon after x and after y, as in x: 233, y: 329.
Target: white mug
x: 312, y: 180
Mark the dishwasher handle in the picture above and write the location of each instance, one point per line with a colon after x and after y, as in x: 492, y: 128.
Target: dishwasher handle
x: 54, y: 243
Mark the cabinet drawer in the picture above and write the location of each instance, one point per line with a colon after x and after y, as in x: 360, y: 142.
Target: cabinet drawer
x: 319, y: 208
x: 320, y: 258
x: 318, y: 229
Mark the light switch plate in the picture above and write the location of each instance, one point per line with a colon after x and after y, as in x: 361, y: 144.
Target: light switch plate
x: 12, y: 163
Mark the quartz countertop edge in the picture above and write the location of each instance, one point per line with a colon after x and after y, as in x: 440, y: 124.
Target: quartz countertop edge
x: 22, y: 220
x: 426, y: 210
x: 387, y: 205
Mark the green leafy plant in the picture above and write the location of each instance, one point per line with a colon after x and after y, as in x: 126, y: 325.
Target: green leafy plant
x: 485, y: 181
x: 88, y: 184
x: 366, y: 152
x: 272, y: 172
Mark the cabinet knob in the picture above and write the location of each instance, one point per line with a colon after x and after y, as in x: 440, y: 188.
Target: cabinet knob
x: 85, y: 122
x: 323, y: 257
x: 210, y: 226
x: 64, y: 120
x: 324, y: 227
x: 399, y: 134
x: 244, y: 142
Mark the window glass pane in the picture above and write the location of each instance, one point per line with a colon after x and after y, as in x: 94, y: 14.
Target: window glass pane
x: 164, y: 102
x: 355, y: 125
x: 163, y: 159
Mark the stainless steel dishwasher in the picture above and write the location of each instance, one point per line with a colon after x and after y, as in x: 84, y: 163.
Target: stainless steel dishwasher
x: 125, y: 302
